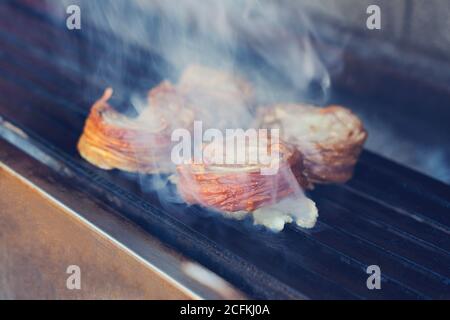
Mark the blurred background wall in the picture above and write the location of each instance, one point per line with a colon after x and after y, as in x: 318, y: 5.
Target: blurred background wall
x: 421, y: 24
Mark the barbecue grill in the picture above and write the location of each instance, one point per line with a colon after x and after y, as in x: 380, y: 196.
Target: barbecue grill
x: 388, y: 215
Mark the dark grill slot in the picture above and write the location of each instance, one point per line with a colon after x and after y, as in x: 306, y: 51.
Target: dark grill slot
x: 387, y: 215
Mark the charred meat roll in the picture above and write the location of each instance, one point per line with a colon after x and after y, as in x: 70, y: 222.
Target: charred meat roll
x: 111, y: 140
x: 330, y: 139
x: 219, y: 98
x: 242, y: 187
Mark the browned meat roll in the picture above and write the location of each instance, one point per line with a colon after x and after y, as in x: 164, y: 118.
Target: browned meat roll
x: 330, y: 138
x: 235, y: 188
x: 111, y: 140
x: 219, y: 98
x: 223, y: 86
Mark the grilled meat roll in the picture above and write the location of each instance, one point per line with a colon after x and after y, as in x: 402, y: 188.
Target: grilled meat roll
x: 243, y: 187
x: 330, y: 138
x: 111, y: 140
x: 219, y: 98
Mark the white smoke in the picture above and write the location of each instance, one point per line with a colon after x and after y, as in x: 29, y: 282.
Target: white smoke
x: 269, y: 42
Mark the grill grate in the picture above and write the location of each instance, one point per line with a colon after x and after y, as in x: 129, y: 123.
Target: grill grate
x: 386, y: 215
